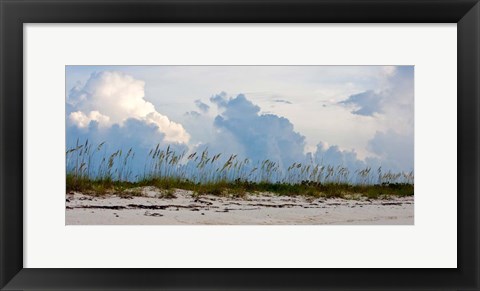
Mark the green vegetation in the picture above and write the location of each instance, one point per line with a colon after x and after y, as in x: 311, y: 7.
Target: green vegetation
x: 223, y: 176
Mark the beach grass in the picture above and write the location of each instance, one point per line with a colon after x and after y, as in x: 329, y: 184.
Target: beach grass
x: 91, y: 170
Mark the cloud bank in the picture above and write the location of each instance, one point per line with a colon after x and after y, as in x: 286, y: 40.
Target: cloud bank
x: 334, y: 156
x: 111, y: 106
x: 111, y: 98
x: 240, y: 128
x: 261, y: 136
x: 395, y: 151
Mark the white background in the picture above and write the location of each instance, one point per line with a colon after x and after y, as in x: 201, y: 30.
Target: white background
x: 431, y: 242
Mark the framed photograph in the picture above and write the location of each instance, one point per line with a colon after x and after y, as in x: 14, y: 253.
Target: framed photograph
x: 239, y: 145
x: 263, y: 157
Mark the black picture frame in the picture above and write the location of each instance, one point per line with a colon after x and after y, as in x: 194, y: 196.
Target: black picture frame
x: 14, y: 13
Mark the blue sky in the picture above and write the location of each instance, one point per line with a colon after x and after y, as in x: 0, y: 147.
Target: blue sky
x: 348, y: 115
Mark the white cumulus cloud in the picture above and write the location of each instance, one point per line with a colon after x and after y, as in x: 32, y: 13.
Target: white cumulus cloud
x: 111, y: 97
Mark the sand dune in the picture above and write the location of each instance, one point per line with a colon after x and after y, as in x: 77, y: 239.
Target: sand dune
x: 263, y: 208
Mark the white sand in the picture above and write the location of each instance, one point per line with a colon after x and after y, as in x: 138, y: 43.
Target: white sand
x: 254, y: 209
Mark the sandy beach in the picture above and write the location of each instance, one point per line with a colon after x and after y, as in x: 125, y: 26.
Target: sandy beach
x: 259, y: 208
